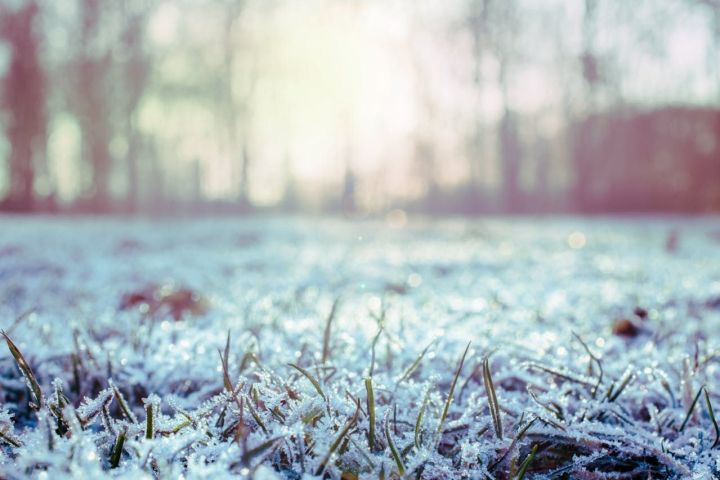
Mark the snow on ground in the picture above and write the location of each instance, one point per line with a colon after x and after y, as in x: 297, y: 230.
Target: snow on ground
x: 527, y: 292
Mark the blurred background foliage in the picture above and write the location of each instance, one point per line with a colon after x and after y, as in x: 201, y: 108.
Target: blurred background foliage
x: 360, y: 106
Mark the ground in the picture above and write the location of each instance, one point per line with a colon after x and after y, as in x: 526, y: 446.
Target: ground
x: 599, y: 335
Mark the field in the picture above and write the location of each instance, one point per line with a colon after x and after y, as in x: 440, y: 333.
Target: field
x: 301, y: 348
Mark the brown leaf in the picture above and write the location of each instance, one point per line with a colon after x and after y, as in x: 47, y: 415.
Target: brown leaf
x: 625, y: 328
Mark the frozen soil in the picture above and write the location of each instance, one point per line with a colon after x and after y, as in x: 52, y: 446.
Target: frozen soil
x: 599, y: 336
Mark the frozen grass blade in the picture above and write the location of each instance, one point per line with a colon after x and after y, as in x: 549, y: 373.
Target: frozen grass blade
x: 521, y: 433
x: 255, y: 415
x: 690, y: 410
x: 149, y: 422
x: 116, y: 452
x: 597, y: 361
x: 124, y: 407
x: 371, y: 413
x: 341, y: 436
x: 224, y: 359
x: 394, y: 450
x: 712, y: 417
x: 418, y: 422
x: 9, y: 439
x: 492, y: 398
x: 415, y: 364
x: 360, y: 450
x: 625, y: 381
x: 259, y: 450
x: 452, y: 390
x: 312, y: 379
x: 526, y: 463
x: 57, y: 405
x: 27, y: 372
x: 328, y: 331
x: 564, y: 375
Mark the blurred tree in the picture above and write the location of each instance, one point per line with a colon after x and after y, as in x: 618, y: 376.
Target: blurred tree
x: 477, y: 23
x: 584, y: 145
x: 23, y: 99
x: 91, y: 99
x: 234, y: 107
x: 135, y: 75
x: 503, y: 25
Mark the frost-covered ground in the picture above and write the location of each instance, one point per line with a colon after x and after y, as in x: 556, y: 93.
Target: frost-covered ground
x: 90, y: 300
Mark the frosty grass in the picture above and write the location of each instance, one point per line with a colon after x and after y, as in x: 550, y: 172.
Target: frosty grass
x: 132, y: 394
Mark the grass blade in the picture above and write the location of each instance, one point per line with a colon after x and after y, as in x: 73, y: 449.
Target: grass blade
x: 116, y: 452
x: 350, y: 423
x: 255, y: 415
x: 371, y: 413
x: 149, y: 422
x: 597, y: 361
x: 9, y: 439
x: 452, y: 390
x: 312, y: 379
x: 712, y: 417
x: 124, y: 407
x: 519, y: 436
x: 328, y: 329
x: 492, y: 398
x: 224, y: 359
x: 624, y: 383
x: 418, y: 422
x: 690, y: 410
x: 27, y: 372
x: 254, y: 452
x: 393, y: 450
x: 415, y: 364
x: 526, y: 463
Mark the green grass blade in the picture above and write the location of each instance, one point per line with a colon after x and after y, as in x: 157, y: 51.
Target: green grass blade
x: 224, y: 360
x: 116, y: 452
x: 624, y: 383
x: 415, y: 364
x: 394, y: 450
x: 255, y: 415
x: 328, y: 330
x: 452, y: 390
x: 492, y: 398
x: 519, y: 436
x: 27, y: 372
x: 418, y: 422
x: 526, y: 463
x: 149, y: 422
x: 690, y: 410
x: 712, y: 417
x: 341, y: 436
x: 310, y: 377
x: 124, y: 407
x: 371, y: 413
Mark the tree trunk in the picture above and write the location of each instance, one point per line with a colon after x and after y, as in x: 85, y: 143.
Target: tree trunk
x: 24, y: 99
